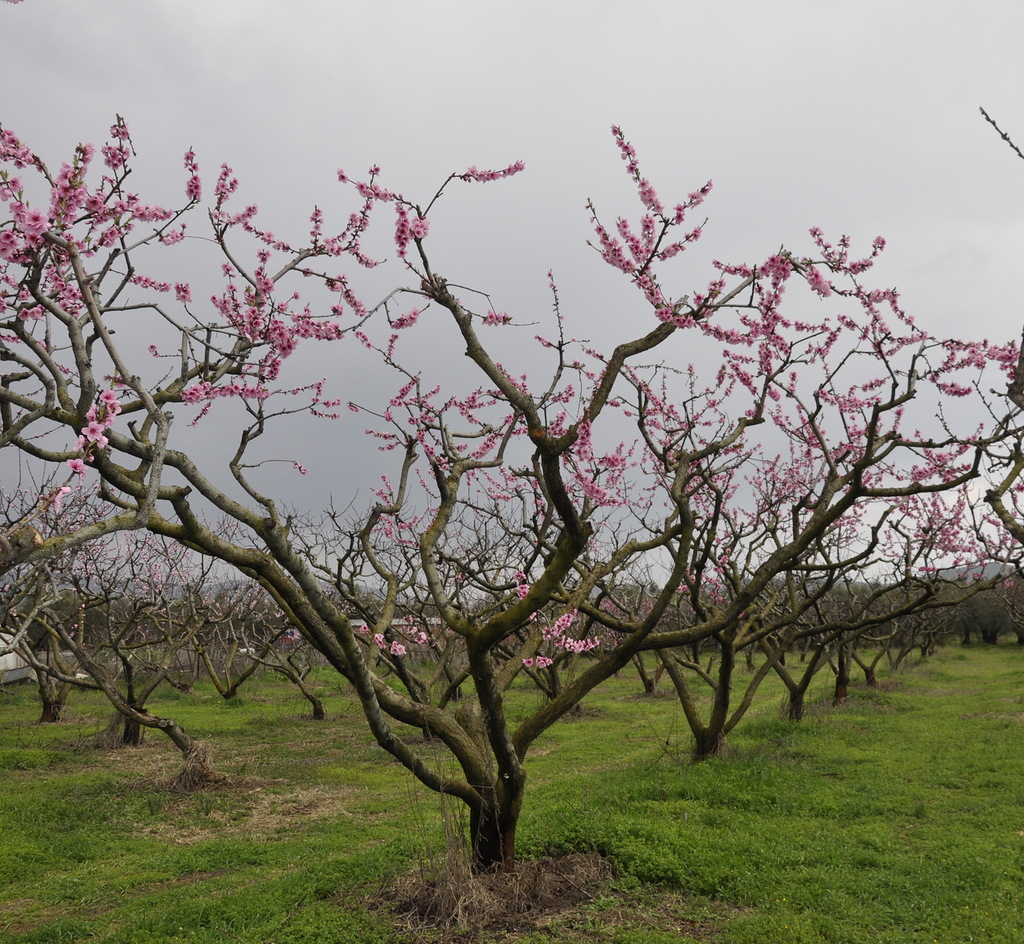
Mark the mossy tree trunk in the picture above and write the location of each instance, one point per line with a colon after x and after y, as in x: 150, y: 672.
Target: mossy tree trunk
x: 842, y: 669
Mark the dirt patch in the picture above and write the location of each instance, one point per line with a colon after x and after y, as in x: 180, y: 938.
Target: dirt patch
x: 888, y: 685
x: 522, y: 900
x: 25, y: 914
x: 659, y: 693
x: 939, y: 693
x: 251, y: 808
x: 580, y: 712
x: 573, y: 898
x: 1014, y: 717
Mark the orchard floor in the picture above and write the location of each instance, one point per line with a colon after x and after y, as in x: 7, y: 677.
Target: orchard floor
x: 896, y: 817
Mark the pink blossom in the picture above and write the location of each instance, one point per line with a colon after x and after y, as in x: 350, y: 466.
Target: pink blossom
x: 818, y: 282
x: 113, y: 406
x: 407, y: 320
x: 10, y: 245
x: 403, y: 232
x: 194, y: 187
x: 59, y: 496
x: 483, y: 176
x: 33, y: 221
x: 93, y: 432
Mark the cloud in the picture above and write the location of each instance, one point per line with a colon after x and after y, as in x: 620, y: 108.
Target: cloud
x: 861, y: 119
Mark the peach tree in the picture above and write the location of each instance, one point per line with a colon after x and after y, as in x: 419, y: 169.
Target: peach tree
x: 777, y: 417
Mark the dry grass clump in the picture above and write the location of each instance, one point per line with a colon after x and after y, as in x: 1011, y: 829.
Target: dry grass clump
x: 453, y: 896
x: 196, y: 773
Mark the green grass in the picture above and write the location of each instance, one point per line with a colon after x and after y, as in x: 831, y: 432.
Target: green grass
x: 897, y: 817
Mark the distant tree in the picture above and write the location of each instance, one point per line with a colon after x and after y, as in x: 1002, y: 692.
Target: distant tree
x: 1011, y: 596
x: 136, y: 615
x: 114, y: 614
x: 35, y: 595
x: 811, y: 620
x: 241, y: 624
x: 23, y: 603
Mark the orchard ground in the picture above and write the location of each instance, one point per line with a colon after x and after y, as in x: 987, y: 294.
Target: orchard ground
x: 896, y: 817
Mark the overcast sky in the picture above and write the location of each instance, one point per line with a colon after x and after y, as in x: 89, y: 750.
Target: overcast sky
x: 860, y: 118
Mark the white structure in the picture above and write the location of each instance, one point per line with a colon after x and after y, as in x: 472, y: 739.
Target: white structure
x: 13, y: 668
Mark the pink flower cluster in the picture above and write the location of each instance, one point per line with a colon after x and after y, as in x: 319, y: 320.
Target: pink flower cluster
x: 635, y: 252
x: 92, y: 439
x: 557, y: 634
x: 208, y: 391
x: 88, y: 218
x: 818, y: 282
x: 485, y: 176
x: 395, y: 648
x: 407, y: 629
x: 408, y: 228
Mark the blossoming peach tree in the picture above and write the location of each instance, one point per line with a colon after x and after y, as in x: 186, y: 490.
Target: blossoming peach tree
x: 720, y: 445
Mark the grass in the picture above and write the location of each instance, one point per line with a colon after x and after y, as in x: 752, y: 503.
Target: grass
x: 897, y: 817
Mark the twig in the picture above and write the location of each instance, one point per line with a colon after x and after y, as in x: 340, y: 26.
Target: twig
x: 1002, y: 133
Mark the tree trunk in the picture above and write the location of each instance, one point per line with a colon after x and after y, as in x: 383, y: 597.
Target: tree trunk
x: 797, y: 690
x: 318, y: 706
x: 707, y: 743
x: 646, y: 679
x: 796, y: 704
x: 492, y: 829
x: 52, y: 697
x: 132, y: 732
x: 869, y: 666
x: 842, y: 688
x: 708, y: 737
x: 53, y: 712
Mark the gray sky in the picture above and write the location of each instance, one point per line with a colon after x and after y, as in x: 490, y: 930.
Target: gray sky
x: 858, y: 118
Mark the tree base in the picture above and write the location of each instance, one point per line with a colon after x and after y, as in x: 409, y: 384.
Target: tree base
x: 195, y: 773
x: 451, y: 895
x: 53, y: 713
